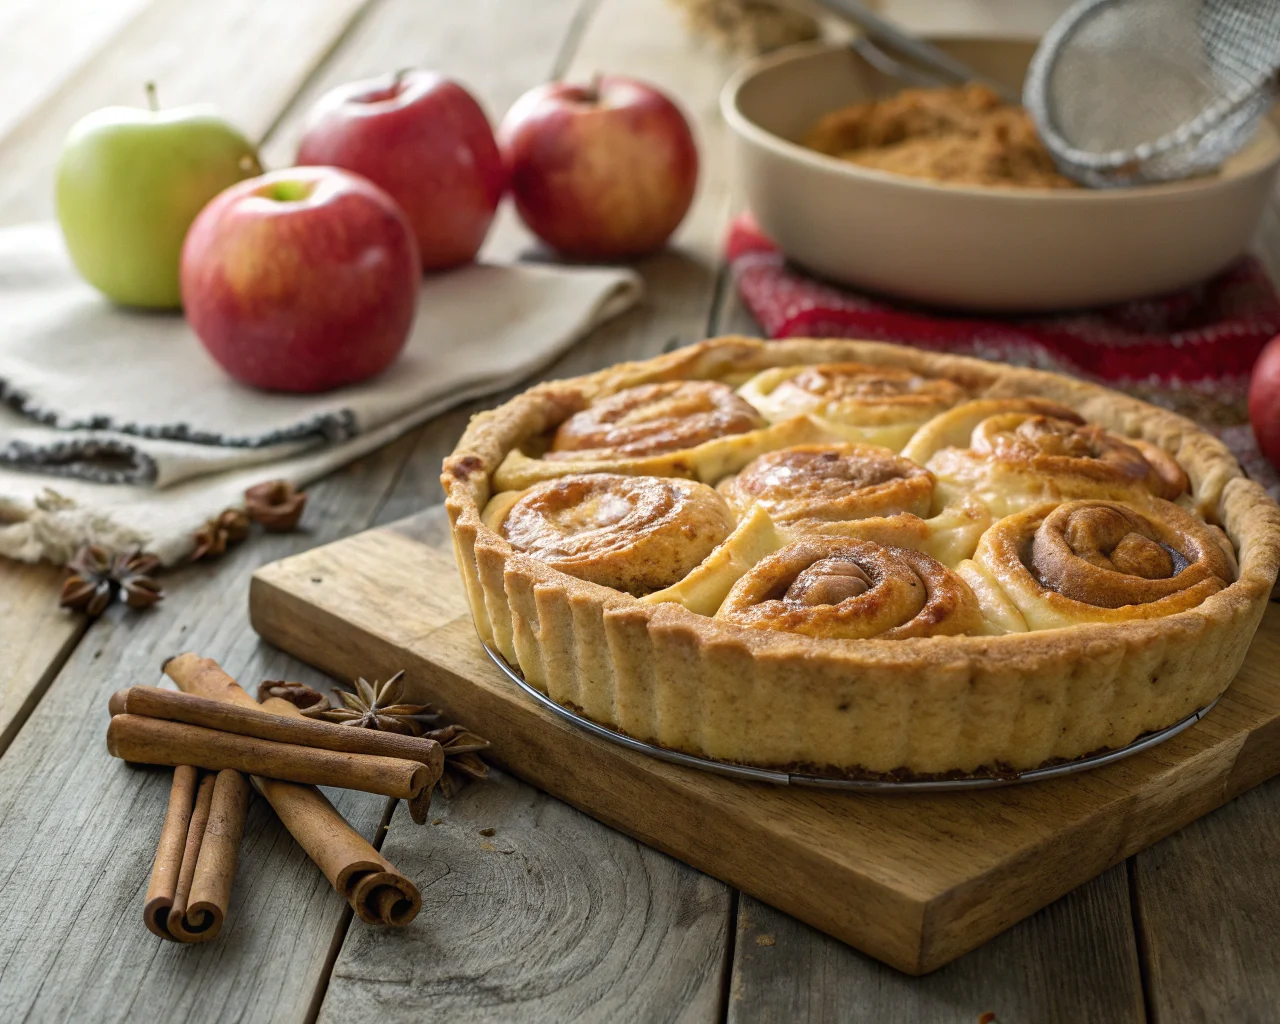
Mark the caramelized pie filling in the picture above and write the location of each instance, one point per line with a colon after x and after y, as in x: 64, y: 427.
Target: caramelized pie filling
x: 1062, y: 510
x: 1105, y: 554
x: 852, y: 590
x: 877, y: 386
x: 635, y: 534
x: 827, y: 581
x: 653, y: 419
x: 879, y: 404
x: 1053, y: 444
x: 830, y: 483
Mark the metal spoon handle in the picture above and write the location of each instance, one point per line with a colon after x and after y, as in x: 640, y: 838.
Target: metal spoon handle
x: 886, y: 33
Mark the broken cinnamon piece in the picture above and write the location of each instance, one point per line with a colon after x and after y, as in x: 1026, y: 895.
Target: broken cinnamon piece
x: 276, y: 504
x: 300, y: 695
x: 219, y: 533
x: 197, y: 854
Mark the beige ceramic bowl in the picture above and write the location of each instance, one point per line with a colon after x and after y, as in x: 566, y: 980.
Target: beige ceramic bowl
x: 964, y: 246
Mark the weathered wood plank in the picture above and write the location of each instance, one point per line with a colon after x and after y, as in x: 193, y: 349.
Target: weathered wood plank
x: 35, y: 638
x: 533, y: 912
x: 245, y: 56
x: 1073, y: 961
x: 1208, y: 907
x: 78, y: 828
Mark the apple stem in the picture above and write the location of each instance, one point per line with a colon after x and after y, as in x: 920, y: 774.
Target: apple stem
x: 153, y: 99
x: 593, y: 90
x: 400, y: 75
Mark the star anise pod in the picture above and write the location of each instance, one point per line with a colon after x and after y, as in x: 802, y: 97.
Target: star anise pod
x: 95, y: 578
x: 213, y: 539
x: 377, y: 706
x: 461, y: 760
x: 276, y: 504
x: 300, y: 695
x: 135, y: 574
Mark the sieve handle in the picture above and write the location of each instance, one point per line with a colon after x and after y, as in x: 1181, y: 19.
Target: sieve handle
x: 885, y: 33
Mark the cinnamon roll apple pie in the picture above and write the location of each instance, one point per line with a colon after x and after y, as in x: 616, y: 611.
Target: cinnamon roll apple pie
x: 855, y: 559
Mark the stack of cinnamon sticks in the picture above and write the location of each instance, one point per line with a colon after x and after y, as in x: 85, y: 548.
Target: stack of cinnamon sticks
x: 214, y: 734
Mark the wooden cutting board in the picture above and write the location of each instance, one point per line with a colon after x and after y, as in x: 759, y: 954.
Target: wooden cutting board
x: 912, y: 879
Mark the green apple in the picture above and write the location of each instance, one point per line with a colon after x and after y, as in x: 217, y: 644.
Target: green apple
x: 129, y: 184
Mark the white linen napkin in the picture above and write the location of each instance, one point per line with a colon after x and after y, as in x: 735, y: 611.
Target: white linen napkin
x: 119, y: 429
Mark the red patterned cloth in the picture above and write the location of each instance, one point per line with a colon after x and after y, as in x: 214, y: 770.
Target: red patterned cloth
x: 1190, y: 351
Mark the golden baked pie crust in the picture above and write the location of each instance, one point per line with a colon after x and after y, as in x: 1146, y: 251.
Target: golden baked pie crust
x: 667, y: 675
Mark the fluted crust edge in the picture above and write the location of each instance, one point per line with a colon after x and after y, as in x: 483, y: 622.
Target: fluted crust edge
x: 665, y: 675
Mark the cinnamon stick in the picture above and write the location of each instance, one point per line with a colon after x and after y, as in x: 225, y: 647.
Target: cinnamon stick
x: 153, y: 702
x: 173, y: 838
x: 156, y: 741
x: 196, y: 858
x: 376, y: 891
x: 190, y: 854
x: 219, y: 854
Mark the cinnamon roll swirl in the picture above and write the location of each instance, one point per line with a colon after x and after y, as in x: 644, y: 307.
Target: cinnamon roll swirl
x: 1096, y: 561
x: 852, y: 590
x: 830, y: 483
x: 879, y: 404
x: 633, y: 533
x: 653, y: 419
x: 1019, y: 452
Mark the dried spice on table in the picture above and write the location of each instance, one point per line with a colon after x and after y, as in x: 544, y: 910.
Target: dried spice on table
x: 276, y: 504
x: 300, y: 695
x: 214, y: 729
x: 96, y: 577
x: 379, y: 706
x: 219, y: 533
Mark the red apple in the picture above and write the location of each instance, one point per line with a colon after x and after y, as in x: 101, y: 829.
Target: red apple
x: 301, y: 280
x: 1264, y: 401
x: 602, y: 171
x: 427, y: 142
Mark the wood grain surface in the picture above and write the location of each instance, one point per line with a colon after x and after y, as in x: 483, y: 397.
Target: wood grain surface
x: 533, y: 913
x: 35, y: 638
x: 1208, y: 902
x: 1073, y: 961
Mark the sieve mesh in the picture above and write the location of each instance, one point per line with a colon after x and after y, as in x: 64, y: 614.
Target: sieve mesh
x: 1128, y: 91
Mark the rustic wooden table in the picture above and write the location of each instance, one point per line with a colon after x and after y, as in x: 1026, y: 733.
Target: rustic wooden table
x: 558, y: 918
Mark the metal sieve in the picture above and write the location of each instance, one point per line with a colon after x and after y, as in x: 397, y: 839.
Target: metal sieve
x: 1131, y: 91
